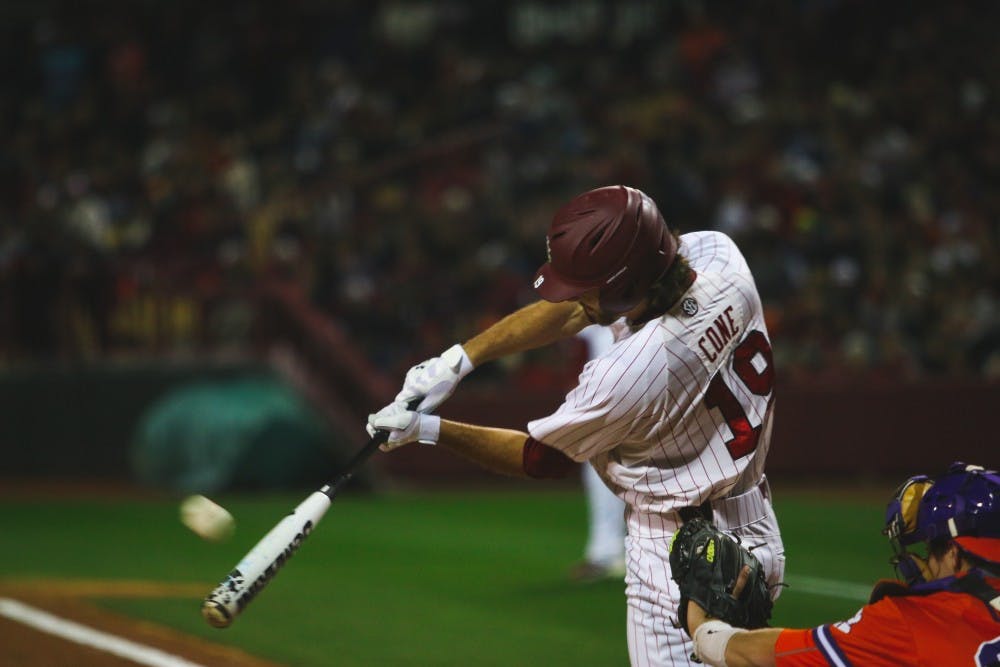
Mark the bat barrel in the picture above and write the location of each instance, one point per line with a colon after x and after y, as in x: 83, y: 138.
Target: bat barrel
x: 261, y: 563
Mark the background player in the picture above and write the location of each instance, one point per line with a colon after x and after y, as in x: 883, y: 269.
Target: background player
x: 675, y: 417
x: 604, y: 553
x: 948, y: 615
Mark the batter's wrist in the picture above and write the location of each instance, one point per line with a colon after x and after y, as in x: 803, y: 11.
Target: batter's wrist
x: 458, y: 359
x: 429, y: 429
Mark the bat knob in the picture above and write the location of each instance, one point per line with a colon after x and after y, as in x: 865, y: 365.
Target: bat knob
x: 216, y: 614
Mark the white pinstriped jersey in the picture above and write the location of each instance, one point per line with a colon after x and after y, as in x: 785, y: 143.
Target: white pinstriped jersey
x: 678, y: 411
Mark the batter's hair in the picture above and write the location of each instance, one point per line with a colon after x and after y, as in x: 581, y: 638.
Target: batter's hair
x: 669, y: 288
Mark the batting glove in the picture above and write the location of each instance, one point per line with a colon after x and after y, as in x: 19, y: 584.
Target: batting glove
x: 435, y: 380
x: 404, y: 426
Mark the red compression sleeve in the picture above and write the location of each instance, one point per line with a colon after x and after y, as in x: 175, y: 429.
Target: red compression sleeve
x: 543, y: 462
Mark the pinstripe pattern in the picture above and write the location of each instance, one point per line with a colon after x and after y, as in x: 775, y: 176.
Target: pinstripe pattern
x: 639, y: 415
x: 652, y: 594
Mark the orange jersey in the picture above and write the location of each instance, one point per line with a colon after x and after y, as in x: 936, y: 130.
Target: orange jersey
x: 942, y: 629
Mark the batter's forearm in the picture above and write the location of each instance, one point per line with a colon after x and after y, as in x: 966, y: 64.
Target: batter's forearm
x: 497, y: 449
x: 533, y: 326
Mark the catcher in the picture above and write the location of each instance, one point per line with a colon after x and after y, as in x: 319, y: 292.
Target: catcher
x: 946, y: 613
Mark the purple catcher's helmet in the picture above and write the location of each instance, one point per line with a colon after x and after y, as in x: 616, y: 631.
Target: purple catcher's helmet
x: 963, y: 505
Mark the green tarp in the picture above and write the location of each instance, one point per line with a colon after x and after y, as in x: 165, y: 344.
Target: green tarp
x: 251, y: 433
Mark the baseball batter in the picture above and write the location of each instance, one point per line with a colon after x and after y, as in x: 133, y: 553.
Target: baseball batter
x: 675, y: 417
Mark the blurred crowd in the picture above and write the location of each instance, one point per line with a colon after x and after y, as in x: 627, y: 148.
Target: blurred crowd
x: 401, y: 161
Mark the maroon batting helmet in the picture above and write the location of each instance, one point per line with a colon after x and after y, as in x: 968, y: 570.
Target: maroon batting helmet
x: 612, y: 238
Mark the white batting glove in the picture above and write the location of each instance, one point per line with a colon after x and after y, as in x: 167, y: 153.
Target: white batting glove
x: 404, y: 426
x: 435, y: 380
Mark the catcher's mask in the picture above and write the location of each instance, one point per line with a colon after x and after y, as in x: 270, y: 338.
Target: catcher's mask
x: 962, y: 505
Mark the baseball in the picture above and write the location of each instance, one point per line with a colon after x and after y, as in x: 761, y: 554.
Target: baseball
x: 207, y: 519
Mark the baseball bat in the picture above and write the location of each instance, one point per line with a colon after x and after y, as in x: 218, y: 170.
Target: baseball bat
x: 221, y: 607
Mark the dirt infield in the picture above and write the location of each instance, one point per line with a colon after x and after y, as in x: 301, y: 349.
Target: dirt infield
x: 23, y: 645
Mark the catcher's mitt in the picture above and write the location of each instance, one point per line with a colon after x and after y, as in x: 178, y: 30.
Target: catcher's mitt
x: 705, y: 563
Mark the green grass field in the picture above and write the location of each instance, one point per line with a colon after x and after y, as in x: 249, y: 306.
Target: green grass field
x: 430, y: 578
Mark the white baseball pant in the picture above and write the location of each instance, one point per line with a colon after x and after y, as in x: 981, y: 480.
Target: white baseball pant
x: 653, y: 641
x: 606, y: 521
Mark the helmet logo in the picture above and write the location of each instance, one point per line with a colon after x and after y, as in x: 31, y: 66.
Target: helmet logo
x: 538, y: 282
x: 689, y: 306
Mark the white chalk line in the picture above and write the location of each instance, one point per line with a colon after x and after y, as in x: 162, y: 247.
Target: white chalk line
x: 831, y: 588
x: 146, y: 655
x: 81, y: 634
